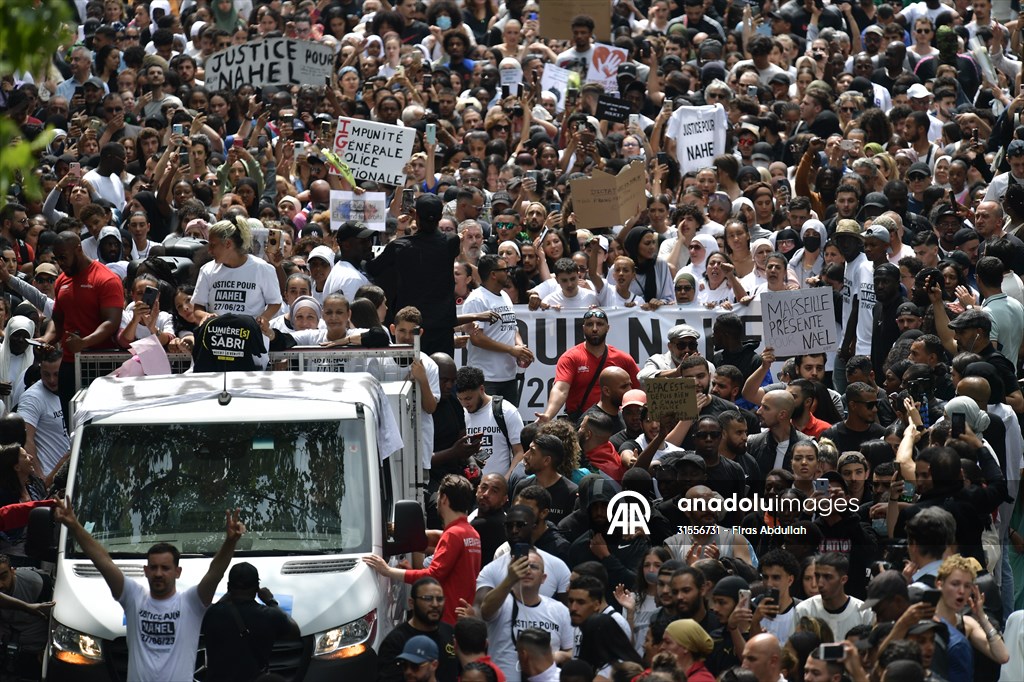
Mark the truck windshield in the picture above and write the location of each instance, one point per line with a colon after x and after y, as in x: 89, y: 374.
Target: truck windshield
x: 301, y: 486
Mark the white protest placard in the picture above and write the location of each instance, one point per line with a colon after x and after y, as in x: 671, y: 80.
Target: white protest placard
x: 555, y: 80
x: 369, y: 208
x: 273, y: 61
x: 603, y: 67
x: 799, y: 321
x: 699, y: 134
x: 671, y: 397
x: 374, y: 151
x: 258, y: 247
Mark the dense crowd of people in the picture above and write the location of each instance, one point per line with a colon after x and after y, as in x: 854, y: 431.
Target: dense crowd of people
x: 873, y: 149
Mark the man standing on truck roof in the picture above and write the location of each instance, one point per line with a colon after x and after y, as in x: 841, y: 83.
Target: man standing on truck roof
x: 456, y: 560
x: 163, y: 624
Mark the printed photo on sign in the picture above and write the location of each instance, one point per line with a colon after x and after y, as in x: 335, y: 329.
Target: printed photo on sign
x: 369, y: 208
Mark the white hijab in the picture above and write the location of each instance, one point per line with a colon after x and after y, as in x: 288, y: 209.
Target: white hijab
x: 12, y: 366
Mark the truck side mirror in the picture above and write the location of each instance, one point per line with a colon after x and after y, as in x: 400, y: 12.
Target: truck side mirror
x: 410, y: 530
x: 41, y: 538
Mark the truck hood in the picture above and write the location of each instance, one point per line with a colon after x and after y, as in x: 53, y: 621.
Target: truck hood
x: 302, y: 585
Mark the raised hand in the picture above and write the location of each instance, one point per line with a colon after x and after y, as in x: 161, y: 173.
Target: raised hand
x: 235, y: 528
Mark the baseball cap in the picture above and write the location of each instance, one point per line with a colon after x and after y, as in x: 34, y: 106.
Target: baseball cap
x: 851, y: 458
x: 1016, y: 148
x: 877, y: 232
x: 682, y: 331
x: 964, y: 235
x: 109, y: 231
x: 908, y: 308
x: 885, y: 585
x: 918, y: 91
x: 419, y: 649
x: 627, y: 69
x: 972, y: 318
x: 780, y: 79
x: 919, y: 169
x: 923, y: 626
x: 47, y: 269
x: 429, y: 207
x: 761, y: 153
x: 835, y: 477
x: 730, y: 586
x: 634, y: 396
x: 323, y: 253
x: 349, y: 230
x: 849, y: 227
x: 693, y: 458
x: 242, y: 576
x: 875, y: 203
x: 94, y: 82
x: 503, y: 198
x: 874, y: 28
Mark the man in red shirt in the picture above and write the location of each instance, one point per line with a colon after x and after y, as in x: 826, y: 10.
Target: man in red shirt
x: 87, y: 309
x: 456, y: 560
x: 576, y: 386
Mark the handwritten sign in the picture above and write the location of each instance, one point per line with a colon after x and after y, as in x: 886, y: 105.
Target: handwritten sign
x: 699, y: 134
x: 368, y: 208
x: 671, y: 397
x: 557, y: 80
x: 274, y: 61
x: 604, y: 63
x: 800, y: 321
x: 374, y: 151
x: 556, y: 18
x: 612, y: 109
x: 605, y: 200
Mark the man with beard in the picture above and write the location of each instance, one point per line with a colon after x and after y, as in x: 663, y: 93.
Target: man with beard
x: 489, y: 518
x: 541, y: 463
x: 13, y: 228
x: 620, y: 556
x: 688, y: 590
x: 844, y: 534
x: 697, y: 368
x: 947, y: 223
x: 494, y: 422
x: 861, y: 423
x: 632, y: 405
x: 520, y: 526
x: 543, y: 535
x: 724, y: 476
x: 733, y: 445
x: 580, y: 367
x: 683, y: 341
x: 594, y: 434
x: 536, y: 216
x: 426, y: 602
x: 803, y: 393
x: 471, y: 240
x: 577, y: 57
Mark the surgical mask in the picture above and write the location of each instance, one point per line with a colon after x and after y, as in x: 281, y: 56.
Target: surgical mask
x: 651, y: 578
x: 812, y: 244
x: 444, y: 22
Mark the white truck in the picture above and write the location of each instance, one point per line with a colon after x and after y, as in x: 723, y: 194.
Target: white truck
x: 323, y: 465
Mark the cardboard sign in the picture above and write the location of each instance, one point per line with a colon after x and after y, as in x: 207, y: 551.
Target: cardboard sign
x: 274, y: 61
x: 374, y: 151
x: 605, y: 200
x: 671, y: 397
x: 603, y: 67
x: 612, y: 109
x: 368, y: 208
x: 800, y: 321
x: 556, y: 18
x: 557, y: 80
x: 699, y: 133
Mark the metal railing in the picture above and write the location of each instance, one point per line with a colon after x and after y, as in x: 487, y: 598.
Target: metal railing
x: 386, y: 364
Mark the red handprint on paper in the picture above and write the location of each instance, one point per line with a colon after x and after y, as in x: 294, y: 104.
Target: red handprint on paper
x: 606, y: 61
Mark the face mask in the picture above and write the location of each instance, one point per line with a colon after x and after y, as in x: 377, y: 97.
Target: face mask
x: 651, y: 578
x: 444, y: 22
x: 812, y: 244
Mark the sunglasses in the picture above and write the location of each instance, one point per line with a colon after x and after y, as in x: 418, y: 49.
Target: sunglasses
x: 113, y: 110
x: 922, y: 30
x: 504, y: 128
x: 870, y: 404
x: 707, y: 434
x: 691, y: 345
x: 599, y: 314
x: 505, y: 226
x: 515, y: 524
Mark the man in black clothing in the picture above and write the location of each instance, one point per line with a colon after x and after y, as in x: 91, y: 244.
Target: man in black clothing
x: 861, y: 419
x: 489, y: 521
x: 773, y: 448
x: 844, y: 533
x: 543, y: 535
x: 425, y: 280
x: 632, y: 405
x: 733, y: 445
x: 885, y: 331
x: 724, y: 476
x: 452, y: 448
x: 728, y: 336
x: 542, y: 462
x: 614, y: 383
x: 426, y: 599
x: 239, y: 632
x: 620, y: 556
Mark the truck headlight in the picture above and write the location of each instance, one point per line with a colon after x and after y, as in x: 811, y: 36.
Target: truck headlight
x: 348, y: 640
x: 77, y: 648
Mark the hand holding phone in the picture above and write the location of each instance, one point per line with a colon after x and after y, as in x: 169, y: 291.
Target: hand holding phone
x: 150, y: 296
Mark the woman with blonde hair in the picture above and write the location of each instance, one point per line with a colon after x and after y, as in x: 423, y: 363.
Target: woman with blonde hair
x: 236, y: 281
x: 967, y: 633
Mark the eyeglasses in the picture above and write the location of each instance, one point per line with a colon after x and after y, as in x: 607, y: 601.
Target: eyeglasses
x: 130, y: 36
x: 431, y: 598
x: 23, y: 221
x: 849, y: 110
x: 923, y: 31
x: 707, y: 434
x: 870, y: 404
x: 713, y: 95
x: 46, y: 280
x: 630, y: 144
x: 916, y: 177
x: 599, y: 314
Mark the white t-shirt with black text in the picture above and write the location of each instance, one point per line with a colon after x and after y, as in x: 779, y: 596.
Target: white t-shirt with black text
x: 548, y: 614
x: 163, y: 634
x: 494, y: 449
x: 245, y: 290
x: 496, y: 366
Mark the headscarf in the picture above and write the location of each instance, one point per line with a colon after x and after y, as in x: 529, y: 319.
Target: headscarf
x: 370, y: 40
x: 225, y: 21
x: 308, y: 302
x: 710, y: 245
x: 512, y: 244
x: 646, y: 269
x: 783, y: 234
x: 689, y: 634
x: 201, y: 225
x: 511, y: 64
x: 758, y: 243
x: 12, y: 366
x: 975, y: 418
x: 602, y: 642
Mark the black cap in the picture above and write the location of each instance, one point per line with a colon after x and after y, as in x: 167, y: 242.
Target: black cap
x: 908, y: 308
x: 885, y: 585
x: 919, y: 168
x: 627, y: 69
x: 352, y: 229
x: 243, y: 576
x: 972, y: 318
x: 964, y: 235
x: 429, y: 207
